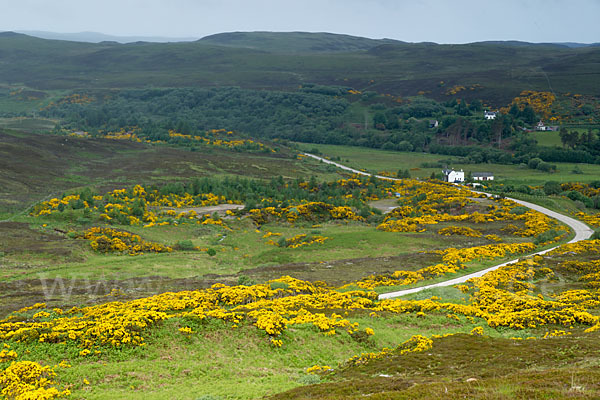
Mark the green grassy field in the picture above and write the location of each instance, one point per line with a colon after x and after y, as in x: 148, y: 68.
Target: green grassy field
x: 374, y: 160
x: 27, y: 124
x: 548, y: 139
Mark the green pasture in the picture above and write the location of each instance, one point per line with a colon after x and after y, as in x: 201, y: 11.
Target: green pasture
x: 549, y: 139
x: 374, y: 160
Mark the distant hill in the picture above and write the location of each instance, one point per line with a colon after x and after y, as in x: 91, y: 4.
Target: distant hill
x: 295, y: 42
x: 575, y: 45
x: 493, y: 72
x: 572, y: 45
x: 95, y: 37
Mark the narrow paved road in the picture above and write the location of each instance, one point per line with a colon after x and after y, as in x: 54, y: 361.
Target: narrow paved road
x: 582, y: 232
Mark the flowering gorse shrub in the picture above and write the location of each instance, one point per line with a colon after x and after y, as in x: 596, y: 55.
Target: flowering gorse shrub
x: 453, y: 260
x: 137, y: 206
x: 311, y: 211
x: 25, y: 380
x: 459, y: 230
x: 299, y: 241
x: 108, y: 240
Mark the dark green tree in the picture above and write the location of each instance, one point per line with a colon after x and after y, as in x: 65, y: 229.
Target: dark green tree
x: 552, y: 187
x: 528, y: 115
x: 462, y: 109
x: 476, y: 105
x: 514, y: 110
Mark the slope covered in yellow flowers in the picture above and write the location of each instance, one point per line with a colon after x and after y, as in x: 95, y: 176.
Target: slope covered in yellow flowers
x: 536, y: 297
x: 525, y: 295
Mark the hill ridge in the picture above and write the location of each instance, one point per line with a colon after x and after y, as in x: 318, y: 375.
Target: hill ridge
x: 284, y: 61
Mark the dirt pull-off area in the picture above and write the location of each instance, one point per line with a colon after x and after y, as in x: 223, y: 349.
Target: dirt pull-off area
x: 385, y: 205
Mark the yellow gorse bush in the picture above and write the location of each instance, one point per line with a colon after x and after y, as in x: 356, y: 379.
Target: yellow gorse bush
x: 500, y: 297
x: 426, y: 203
x: 300, y: 240
x: 459, y: 230
x: 504, y: 297
x: 28, y: 380
x: 311, y: 211
x: 247, y: 144
x: 592, y: 219
x: 416, y: 343
x: 453, y: 261
x: 108, y: 240
x: 139, y: 206
x: 541, y: 102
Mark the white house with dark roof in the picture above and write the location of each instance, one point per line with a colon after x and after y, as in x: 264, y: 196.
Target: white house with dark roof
x: 453, y: 176
x: 541, y: 127
x: 482, y: 176
x: 490, y: 114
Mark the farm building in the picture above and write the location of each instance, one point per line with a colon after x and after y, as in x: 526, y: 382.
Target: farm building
x: 453, y: 176
x: 433, y: 123
x: 482, y: 176
x: 541, y: 127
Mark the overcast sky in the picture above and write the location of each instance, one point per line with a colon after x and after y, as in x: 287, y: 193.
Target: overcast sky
x: 447, y: 21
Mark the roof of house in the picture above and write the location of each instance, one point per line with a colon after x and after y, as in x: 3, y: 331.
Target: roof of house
x: 482, y: 174
x: 447, y: 171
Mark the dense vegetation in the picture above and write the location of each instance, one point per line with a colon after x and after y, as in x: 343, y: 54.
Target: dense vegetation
x: 294, y: 115
x: 339, y: 115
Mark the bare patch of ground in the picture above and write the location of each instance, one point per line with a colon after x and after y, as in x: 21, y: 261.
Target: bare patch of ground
x: 385, y: 205
x: 219, y: 209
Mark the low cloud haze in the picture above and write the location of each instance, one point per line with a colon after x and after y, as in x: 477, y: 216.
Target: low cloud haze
x: 457, y: 21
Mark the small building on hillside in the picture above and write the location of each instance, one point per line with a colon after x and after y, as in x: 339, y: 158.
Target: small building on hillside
x: 545, y: 128
x: 490, y: 114
x: 482, y: 176
x: 453, y: 176
x: 433, y: 123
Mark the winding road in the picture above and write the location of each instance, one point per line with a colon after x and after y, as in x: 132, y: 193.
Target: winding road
x: 582, y: 232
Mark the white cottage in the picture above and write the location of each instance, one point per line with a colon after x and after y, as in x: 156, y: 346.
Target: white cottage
x: 482, y: 176
x: 541, y: 127
x: 490, y: 114
x: 453, y: 176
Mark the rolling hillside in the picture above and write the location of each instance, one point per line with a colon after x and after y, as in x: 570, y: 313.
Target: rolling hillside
x: 494, y: 72
x: 295, y: 42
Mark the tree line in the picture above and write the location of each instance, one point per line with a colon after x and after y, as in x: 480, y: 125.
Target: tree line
x: 328, y: 115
